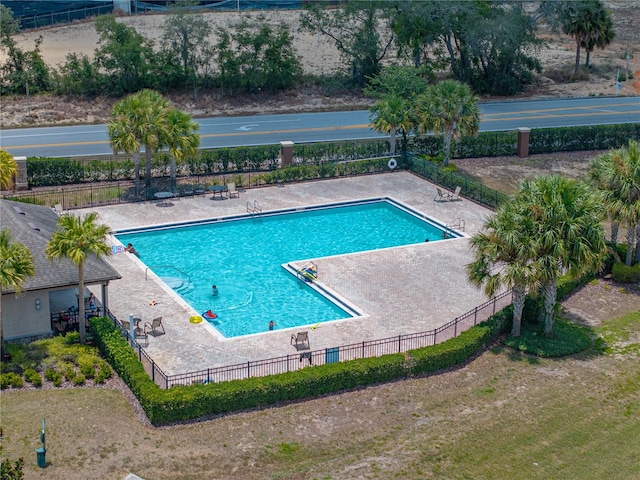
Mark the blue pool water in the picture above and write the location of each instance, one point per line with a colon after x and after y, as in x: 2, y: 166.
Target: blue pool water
x: 243, y: 259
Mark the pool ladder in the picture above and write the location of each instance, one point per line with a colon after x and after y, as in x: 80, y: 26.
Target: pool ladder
x: 448, y: 228
x: 254, y: 209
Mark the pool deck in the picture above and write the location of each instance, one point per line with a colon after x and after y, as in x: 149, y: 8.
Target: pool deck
x: 401, y: 290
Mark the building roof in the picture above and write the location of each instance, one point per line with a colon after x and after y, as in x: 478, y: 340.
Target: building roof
x: 33, y: 225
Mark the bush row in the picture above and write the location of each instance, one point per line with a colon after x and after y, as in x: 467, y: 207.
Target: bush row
x: 43, y: 171
x: 572, y: 139
x: 198, y: 400
x: 64, y: 171
x: 541, y: 140
x: 109, y: 193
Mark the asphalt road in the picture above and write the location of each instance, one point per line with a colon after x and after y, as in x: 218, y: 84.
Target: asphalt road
x: 314, y: 127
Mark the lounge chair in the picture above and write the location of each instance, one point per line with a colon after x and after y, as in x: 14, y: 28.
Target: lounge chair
x: 441, y: 195
x: 231, y: 190
x: 154, y: 326
x: 456, y: 194
x: 300, y: 340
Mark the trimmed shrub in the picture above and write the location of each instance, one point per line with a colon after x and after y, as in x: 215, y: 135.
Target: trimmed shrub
x: 68, y: 371
x: 72, y: 338
x: 624, y: 274
x: 615, y: 253
x: 33, y: 377
x: 79, y: 379
x: 53, y: 376
x: 104, y: 373
x: 86, y: 365
x: 10, y: 379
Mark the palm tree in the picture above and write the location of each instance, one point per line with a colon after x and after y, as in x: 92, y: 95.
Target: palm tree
x: 451, y: 109
x: 504, y: 257
x: 156, y: 128
x: 122, y: 132
x: 16, y: 264
x: 589, y: 23
x: 602, y: 33
x: 566, y: 231
x: 624, y: 197
x: 8, y: 170
x: 602, y: 177
x: 391, y: 115
x: 182, y: 138
x: 75, y: 239
x: 139, y: 120
x: 617, y: 175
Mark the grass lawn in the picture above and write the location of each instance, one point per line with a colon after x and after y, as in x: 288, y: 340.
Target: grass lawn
x: 505, y: 415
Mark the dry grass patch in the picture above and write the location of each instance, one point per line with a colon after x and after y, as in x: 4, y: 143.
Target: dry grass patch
x: 505, y: 415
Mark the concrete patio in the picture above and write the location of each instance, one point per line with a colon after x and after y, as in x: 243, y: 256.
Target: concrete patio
x: 403, y: 290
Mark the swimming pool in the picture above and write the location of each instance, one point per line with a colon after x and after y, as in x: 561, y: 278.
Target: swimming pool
x: 244, y: 256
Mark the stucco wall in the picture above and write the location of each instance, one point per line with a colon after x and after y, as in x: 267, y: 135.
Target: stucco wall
x: 21, y: 318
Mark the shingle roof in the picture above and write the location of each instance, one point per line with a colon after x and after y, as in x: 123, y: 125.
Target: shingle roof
x: 33, y: 225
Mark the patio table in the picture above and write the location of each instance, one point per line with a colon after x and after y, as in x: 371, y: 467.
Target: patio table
x: 164, y: 198
x: 217, y: 189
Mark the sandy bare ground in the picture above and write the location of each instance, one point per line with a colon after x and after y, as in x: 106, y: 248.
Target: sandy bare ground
x: 317, y: 55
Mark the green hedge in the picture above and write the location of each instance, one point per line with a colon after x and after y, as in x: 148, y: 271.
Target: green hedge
x: 459, y: 349
x: 65, y: 171
x: 570, y: 139
x: 198, y: 400
x: 43, y: 171
x: 541, y: 140
x: 623, y: 274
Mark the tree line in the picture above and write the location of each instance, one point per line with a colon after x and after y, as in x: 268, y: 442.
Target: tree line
x: 248, y: 58
x: 490, y: 45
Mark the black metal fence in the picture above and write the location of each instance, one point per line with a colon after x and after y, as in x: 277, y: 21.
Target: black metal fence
x: 153, y: 370
x: 450, y: 179
x: 164, y: 6
x: 365, y: 349
x: 57, y: 15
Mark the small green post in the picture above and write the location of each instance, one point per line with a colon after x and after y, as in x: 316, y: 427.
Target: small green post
x: 41, y: 453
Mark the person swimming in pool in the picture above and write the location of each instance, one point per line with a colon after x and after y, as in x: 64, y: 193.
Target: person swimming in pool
x: 129, y: 248
x: 214, y: 291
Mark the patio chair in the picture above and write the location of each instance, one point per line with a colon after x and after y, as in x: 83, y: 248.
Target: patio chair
x: 456, y: 194
x: 127, y: 326
x: 231, y: 190
x: 58, y: 209
x: 154, y: 326
x: 441, y: 195
x: 300, y: 340
x: 187, y: 190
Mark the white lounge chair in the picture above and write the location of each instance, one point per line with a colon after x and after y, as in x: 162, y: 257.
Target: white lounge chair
x: 456, y: 194
x: 231, y: 190
x: 441, y: 195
